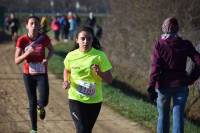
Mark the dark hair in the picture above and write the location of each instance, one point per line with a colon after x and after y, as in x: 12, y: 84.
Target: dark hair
x: 35, y: 17
x: 95, y: 44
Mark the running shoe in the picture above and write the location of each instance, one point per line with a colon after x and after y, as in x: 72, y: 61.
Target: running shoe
x: 33, y: 131
x: 41, y: 111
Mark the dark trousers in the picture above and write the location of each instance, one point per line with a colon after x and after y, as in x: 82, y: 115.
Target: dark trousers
x: 31, y: 83
x: 56, y: 35
x: 84, y: 115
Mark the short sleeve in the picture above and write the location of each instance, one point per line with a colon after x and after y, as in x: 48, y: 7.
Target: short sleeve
x: 20, y: 43
x: 66, y: 63
x: 105, y: 64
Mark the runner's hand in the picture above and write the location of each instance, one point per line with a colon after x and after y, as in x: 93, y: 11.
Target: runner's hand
x: 44, y: 61
x: 152, y: 94
x: 96, y: 69
x: 66, y: 84
x: 29, y: 51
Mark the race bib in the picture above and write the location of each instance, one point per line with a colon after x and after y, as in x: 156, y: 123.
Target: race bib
x: 36, y: 68
x: 86, y: 88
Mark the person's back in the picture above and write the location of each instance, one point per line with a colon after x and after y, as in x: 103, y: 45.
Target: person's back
x: 173, y: 54
x: 168, y: 77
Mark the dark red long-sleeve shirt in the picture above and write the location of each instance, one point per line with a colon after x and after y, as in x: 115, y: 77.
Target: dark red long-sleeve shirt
x: 168, y: 62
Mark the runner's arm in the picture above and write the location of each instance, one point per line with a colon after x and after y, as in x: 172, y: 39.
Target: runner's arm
x: 50, y: 54
x: 66, y: 79
x: 66, y: 75
x: 51, y: 51
x: 106, y: 76
x: 20, y: 56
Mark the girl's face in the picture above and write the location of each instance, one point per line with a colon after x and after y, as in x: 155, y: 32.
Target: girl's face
x: 33, y: 26
x: 84, y: 41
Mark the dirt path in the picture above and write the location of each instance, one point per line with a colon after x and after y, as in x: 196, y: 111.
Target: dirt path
x: 14, y: 105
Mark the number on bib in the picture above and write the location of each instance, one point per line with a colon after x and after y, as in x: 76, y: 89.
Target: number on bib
x: 86, y: 88
x: 36, y: 68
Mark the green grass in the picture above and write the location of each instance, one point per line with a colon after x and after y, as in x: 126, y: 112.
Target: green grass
x: 131, y: 107
x: 56, y: 62
x: 137, y: 109
x: 56, y: 65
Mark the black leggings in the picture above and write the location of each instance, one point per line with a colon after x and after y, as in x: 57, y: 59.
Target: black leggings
x: 31, y: 82
x: 84, y: 115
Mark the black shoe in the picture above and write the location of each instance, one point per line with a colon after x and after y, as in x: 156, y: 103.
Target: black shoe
x: 41, y: 111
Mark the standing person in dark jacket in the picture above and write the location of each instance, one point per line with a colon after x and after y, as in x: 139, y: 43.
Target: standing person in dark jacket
x: 168, y: 77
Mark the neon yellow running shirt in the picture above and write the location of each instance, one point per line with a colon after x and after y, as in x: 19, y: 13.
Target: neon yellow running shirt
x: 85, y: 85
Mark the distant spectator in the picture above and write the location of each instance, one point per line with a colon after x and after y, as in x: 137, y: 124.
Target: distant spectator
x: 72, y: 26
x: 55, y: 26
x: 78, y: 19
x: 44, y: 24
x: 13, y: 26
x: 91, y: 20
x: 64, y: 24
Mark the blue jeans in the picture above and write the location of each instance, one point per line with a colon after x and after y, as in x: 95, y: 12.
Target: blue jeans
x: 179, y: 96
x: 31, y: 83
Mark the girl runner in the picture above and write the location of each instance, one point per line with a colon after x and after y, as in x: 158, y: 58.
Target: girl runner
x: 30, y: 49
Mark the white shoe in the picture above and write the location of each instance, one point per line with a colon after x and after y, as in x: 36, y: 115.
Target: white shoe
x: 33, y: 131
